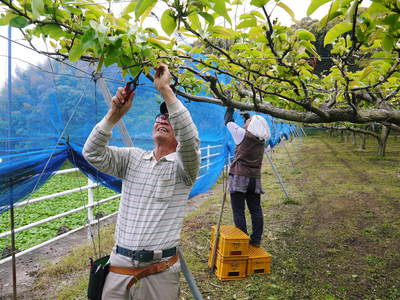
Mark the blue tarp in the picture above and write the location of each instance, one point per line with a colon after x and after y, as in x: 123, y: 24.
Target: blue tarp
x: 51, y: 116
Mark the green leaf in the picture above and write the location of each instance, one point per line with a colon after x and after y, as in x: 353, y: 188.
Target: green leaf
x: 259, y: 3
x: 388, y: 43
x: 303, y: 34
x: 314, y: 5
x: 367, y: 70
x: 37, y: 8
x: 168, y: 22
x: 258, y: 14
x: 157, y: 44
x: 247, y: 23
x: 194, y: 21
x: 336, y: 31
x: 88, y: 39
x: 329, y: 17
x: 209, y: 18
x: 129, y: 8
x: 76, y: 51
x: 141, y: 7
x: 287, y: 9
x: 52, y: 30
x: 220, y: 8
x: 350, y: 12
x: 19, y: 22
x: 219, y: 31
x: 147, y: 12
x: 5, y: 20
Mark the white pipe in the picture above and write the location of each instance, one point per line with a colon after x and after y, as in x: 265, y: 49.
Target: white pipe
x: 66, y: 171
x: 55, y: 195
x: 4, y: 234
x: 54, y: 239
x: 211, y: 155
x: 204, y: 148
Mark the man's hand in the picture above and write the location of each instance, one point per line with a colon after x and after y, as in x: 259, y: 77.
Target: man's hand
x: 162, y: 78
x: 120, y: 104
x: 162, y: 81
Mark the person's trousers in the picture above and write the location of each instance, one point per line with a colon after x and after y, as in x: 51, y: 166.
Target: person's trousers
x: 163, y: 285
x: 238, y: 201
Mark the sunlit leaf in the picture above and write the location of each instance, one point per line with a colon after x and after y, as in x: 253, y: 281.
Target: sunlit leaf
x: 336, y: 31
x: 220, y: 31
x: 209, y: 18
x: 194, y: 21
x: 303, y: 34
x: 247, y: 23
x: 220, y: 8
x: 168, y: 22
x: 314, y: 5
x: 287, y: 9
x: 37, y: 8
x: 141, y: 7
x: 259, y: 3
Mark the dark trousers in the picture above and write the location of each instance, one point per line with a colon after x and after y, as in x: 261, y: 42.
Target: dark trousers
x: 252, y: 199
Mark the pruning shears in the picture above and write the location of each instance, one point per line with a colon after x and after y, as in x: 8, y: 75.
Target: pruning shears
x: 131, y: 85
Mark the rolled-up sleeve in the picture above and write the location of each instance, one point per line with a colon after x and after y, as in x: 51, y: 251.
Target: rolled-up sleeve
x: 186, y: 134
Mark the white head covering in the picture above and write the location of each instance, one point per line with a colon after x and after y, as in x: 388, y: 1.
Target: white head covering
x: 259, y: 127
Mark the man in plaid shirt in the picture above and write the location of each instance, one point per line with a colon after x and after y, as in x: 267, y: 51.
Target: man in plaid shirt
x: 155, y: 188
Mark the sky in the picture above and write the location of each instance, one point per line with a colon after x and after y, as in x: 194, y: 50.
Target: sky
x: 23, y: 57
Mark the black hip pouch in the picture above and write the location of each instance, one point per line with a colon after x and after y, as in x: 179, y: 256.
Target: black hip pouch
x: 99, y: 270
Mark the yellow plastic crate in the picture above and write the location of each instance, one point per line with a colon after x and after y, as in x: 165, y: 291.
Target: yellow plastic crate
x: 232, y: 241
x: 259, y: 261
x: 230, y: 268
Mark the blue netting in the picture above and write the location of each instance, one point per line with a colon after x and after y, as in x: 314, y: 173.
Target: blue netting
x: 51, y: 116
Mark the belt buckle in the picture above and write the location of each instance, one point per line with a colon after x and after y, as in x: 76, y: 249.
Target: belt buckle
x: 143, y: 256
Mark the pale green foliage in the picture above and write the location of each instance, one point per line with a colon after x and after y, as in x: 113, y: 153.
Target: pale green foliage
x: 255, y: 52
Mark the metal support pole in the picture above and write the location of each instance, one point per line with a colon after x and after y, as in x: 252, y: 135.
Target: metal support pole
x: 120, y: 125
x: 290, y: 157
x: 277, y: 175
x: 90, y: 209
x: 10, y: 190
x: 217, y: 230
x: 189, y: 277
x: 301, y: 128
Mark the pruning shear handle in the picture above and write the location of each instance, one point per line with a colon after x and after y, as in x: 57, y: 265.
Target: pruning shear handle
x: 131, y: 86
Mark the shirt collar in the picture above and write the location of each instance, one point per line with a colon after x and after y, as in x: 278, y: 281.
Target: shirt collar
x: 170, y: 157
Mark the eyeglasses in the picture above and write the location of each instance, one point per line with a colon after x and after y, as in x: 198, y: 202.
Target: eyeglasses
x: 162, y: 117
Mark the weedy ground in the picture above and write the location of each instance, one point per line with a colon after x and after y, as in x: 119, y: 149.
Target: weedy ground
x: 336, y: 237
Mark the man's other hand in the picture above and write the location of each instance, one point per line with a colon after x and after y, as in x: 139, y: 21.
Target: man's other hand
x: 120, y: 104
x: 162, y: 77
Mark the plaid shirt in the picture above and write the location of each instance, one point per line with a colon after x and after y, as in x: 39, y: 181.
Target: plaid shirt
x: 154, y: 193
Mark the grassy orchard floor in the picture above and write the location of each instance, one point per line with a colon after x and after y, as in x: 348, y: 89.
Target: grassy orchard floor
x: 337, y: 238
x: 40, y: 210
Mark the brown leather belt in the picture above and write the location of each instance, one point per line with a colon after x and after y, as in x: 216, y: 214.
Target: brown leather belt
x: 139, y: 273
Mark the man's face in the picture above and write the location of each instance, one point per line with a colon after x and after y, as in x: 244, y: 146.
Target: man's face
x: 163, y: 131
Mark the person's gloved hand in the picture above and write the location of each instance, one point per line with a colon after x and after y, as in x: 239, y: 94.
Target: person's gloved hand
x: 229, y: 115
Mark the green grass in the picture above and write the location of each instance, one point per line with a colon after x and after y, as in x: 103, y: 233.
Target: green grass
x: 40, y: 210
